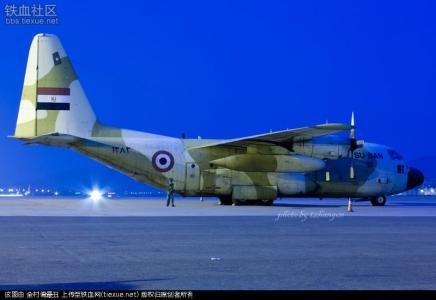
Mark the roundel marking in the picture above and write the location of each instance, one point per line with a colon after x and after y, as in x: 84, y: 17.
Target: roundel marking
x: 162, y: 161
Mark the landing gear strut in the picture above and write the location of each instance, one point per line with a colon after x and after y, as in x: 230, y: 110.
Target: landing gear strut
x: 378, y: 201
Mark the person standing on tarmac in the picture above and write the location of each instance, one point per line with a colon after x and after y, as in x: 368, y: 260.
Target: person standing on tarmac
x: 170, y: 194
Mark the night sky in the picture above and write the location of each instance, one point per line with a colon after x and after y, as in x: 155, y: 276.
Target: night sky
x: 224, y: 69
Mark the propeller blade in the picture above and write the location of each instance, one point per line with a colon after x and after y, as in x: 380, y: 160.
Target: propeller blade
x: 352, y: 132
x: 353, y: 146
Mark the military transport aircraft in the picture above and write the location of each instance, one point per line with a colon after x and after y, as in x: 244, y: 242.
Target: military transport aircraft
x: 303, y: 162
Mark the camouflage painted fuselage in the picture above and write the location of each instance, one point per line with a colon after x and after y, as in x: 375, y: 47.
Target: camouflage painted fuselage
x: 308, y: 161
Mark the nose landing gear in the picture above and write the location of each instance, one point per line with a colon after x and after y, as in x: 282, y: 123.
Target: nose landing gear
x: 378, y: 201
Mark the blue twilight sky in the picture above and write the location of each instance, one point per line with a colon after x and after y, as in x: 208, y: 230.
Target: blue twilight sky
x: 223, y: 69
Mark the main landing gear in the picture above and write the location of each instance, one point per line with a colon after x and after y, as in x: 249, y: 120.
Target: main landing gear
x: 227, y: 200
x: 375, y: 201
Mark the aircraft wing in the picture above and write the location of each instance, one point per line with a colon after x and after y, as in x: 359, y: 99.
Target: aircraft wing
x: 282, y: 137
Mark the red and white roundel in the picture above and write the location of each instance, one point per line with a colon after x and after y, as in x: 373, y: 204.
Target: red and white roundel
x: 162, y: 161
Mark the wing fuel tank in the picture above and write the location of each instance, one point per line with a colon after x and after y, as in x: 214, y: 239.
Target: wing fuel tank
x: 269, y: 163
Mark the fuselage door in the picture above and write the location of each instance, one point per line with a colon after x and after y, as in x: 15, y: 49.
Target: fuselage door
x: 192, y: 181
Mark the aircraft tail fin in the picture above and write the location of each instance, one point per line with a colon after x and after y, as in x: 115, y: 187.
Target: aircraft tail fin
x: 52, y: 99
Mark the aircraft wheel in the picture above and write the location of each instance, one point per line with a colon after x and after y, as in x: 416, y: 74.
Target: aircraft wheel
x: 226, y: 200
x: 266, y: 202
x: 240, y: 202
x: 378, y: 201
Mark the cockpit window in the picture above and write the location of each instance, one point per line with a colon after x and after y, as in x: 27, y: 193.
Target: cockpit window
x: 394, y: 155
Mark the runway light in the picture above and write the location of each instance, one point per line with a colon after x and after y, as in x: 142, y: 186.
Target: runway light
x: 96, y: 195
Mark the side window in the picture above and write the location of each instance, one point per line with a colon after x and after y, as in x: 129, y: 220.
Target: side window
x: 400, y: 169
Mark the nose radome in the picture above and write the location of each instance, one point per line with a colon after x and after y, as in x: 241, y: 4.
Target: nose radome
x: 414, y: 178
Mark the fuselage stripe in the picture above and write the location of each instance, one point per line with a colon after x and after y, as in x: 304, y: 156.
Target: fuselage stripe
x: 53, y: 91
x: 52, y: 106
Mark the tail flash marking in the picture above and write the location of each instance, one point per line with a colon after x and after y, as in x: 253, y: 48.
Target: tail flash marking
x: 52, y: 98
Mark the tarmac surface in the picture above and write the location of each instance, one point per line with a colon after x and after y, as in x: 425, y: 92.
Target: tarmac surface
x: 59, y: 243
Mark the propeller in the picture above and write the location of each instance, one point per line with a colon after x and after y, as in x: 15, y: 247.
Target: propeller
x: 353, y: 142
x: 353, y: 146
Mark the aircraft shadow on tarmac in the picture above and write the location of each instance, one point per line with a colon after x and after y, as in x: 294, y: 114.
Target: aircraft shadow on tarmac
x: 108, y: 285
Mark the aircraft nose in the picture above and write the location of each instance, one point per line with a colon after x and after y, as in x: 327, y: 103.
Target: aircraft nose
x: 414, y: 178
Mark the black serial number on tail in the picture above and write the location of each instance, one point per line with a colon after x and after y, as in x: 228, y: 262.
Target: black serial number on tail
x: 120, y: 150
x: 368, y: 155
